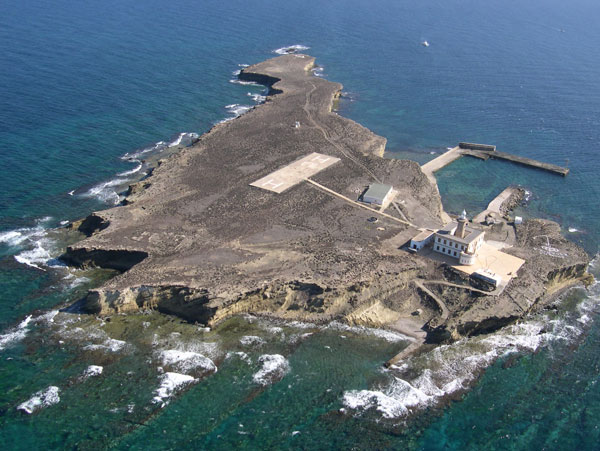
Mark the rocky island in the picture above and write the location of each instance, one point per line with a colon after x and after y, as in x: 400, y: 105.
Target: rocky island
x: 202, y: 240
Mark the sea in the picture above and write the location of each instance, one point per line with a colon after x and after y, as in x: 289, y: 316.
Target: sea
x: 92, y: 92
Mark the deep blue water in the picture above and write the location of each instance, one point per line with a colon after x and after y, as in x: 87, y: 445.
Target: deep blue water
x: 83, y: 83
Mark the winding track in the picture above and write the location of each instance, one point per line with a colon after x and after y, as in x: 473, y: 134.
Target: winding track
x: 340, y: 148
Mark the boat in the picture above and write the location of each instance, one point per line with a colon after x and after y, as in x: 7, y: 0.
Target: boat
x: 425, y: 43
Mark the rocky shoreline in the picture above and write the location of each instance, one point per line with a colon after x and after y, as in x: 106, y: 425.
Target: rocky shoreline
x: 196, y: 241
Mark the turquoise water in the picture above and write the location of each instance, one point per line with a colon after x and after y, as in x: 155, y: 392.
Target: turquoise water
x: 85, y: 86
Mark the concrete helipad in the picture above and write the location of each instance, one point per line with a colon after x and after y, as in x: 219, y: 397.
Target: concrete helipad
x: 295, y: 172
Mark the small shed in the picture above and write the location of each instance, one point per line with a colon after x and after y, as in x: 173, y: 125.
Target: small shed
x: 419, y: 241
x: 377, y: 194
x: 488, y: 277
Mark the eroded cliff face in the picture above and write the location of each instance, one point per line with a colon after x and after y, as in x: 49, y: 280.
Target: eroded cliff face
x: 549, y: 269
x: 374, y: 303
x: 378, y: 301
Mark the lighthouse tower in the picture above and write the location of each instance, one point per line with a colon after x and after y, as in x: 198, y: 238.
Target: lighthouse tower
x: 462, y: 225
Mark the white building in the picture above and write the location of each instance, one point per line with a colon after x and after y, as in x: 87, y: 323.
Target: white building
x: 377, y: 194
x: 488, y: 276
x: 421, y: 240
x: 458, y: 240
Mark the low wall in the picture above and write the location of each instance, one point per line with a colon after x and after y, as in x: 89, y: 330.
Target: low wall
x: 473, y: 146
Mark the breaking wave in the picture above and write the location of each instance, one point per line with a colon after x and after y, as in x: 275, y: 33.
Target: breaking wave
x: 15, y: 334
x: 92, y: 371
x: 170, y: 383
x: 135, y: 170
x: 318, y: 71
x: 110, y: 192
x: 274, y: 367
x: 237, y: 110
x: 386, y: 335
x: 290, y: 49
x: 110, y: 345
x: 186, y: 361
x: 20, y: 331
x: 36, y: 247
x: 425, y: 379
x: 41, y: 399
x: 258, y: 98
x: 251, y: 340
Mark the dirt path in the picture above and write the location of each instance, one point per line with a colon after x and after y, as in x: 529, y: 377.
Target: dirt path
x: 441, y: 304
x: 357, y: 204
x: 413, y: 329
x: 340, y: 148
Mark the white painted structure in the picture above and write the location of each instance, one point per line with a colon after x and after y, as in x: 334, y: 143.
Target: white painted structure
x: 488, y: 276
x: 377, y: 194
x: 460, y: 241
x: 421, y: 240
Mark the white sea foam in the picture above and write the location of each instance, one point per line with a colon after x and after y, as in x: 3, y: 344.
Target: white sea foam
x: 25, y: 235
x: 237, y: 81
x: 318, y: 71
x: 47, y: 318
x: 303, y: 325
x: 237, y: 109
x: 13, y: 237
x: 15, y: 334
x: 274, y: 367
x: 387, y: 335
x: 251, y: 340
x: 184, y: 139
x: 75, y: 281
x: 451, y: 368
x: 401, y: 397
x: 132, y: 171
x: 186, y: 361
x: 41, y: 254
x: 91, y: 371
x: 106, y: 191
x: 258, y: 98
x: 240, y: 354
x: 110, y: 345
x: 155, y: 148
x: 291, y: 49
x: 41, y: 399
x: 170, y: 383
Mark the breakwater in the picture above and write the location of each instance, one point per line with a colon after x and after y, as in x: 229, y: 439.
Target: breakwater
x: 485, y: 152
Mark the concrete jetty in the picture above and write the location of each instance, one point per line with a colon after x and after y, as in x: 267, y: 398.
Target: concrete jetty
x: 485, y: 152
x: 495, y: 204
x: 519, y: 160
x: 438, y: 163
